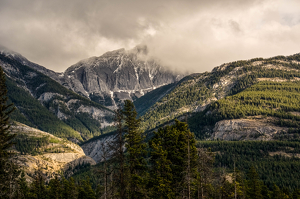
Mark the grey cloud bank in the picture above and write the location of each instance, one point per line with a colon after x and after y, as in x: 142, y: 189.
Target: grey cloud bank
x: 190, y: 36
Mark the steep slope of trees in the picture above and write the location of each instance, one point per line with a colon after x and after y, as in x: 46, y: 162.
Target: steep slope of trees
x: 151, y: 98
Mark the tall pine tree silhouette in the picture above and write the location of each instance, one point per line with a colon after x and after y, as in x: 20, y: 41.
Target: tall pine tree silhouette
x: 136, y: 151
x: 118, y: 155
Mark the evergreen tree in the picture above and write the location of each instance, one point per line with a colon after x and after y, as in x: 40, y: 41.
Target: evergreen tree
x: 72, y: 191
x: 9, y: 179
x: 161, y: 176
x: 81, y: 192
x: 38, y: 189
x: 23, y: 191
x: 253, y: 185
x: 265, y: 192
x: 118, y: 155
x: 296, y: 194
x: 54, y: 187
x: 183, y: 155
x: 227, y: 190
x: 65, y: 188
x: 173, y: 161
x: 5, y: 110
x: 276, y: 194
x: 136, y: 152
x: 85, y: 191
x: 106, y: 170
x: 204, y: 171
x: 8, y: 170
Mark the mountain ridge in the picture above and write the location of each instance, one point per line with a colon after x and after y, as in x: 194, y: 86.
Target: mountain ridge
x: 50, y: 106
x: 110, y: 78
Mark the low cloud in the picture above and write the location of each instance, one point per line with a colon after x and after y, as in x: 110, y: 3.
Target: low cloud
x: 192, y: 36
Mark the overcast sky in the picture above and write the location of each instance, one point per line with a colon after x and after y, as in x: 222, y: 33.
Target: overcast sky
x: 194, y: 35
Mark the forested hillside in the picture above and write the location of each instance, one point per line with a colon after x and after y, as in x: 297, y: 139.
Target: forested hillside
x: 277, y: 101
x: 194, y: 95
x: 31, y: 112
x: 45, y: 104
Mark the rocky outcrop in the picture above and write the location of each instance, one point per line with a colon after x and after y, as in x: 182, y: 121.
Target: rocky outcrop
x: 98, y: 149
x: 65, y: 109
x: 46, y: 97
x: 65, y: 156
x: 245, y: 129
x: 52, y: 164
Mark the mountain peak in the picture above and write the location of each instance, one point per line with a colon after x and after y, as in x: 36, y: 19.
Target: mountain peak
x: 114, y: 52
x: 118, y: 75
x: 8, y: 52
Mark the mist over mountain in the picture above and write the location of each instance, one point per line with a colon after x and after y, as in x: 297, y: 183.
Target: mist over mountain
x: 118, y: 75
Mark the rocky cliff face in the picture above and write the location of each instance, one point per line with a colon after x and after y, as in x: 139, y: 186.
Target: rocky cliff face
x: 117, y: 75
x: 58, y: 155
x: 246, y: 129
x: 98, y: 149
